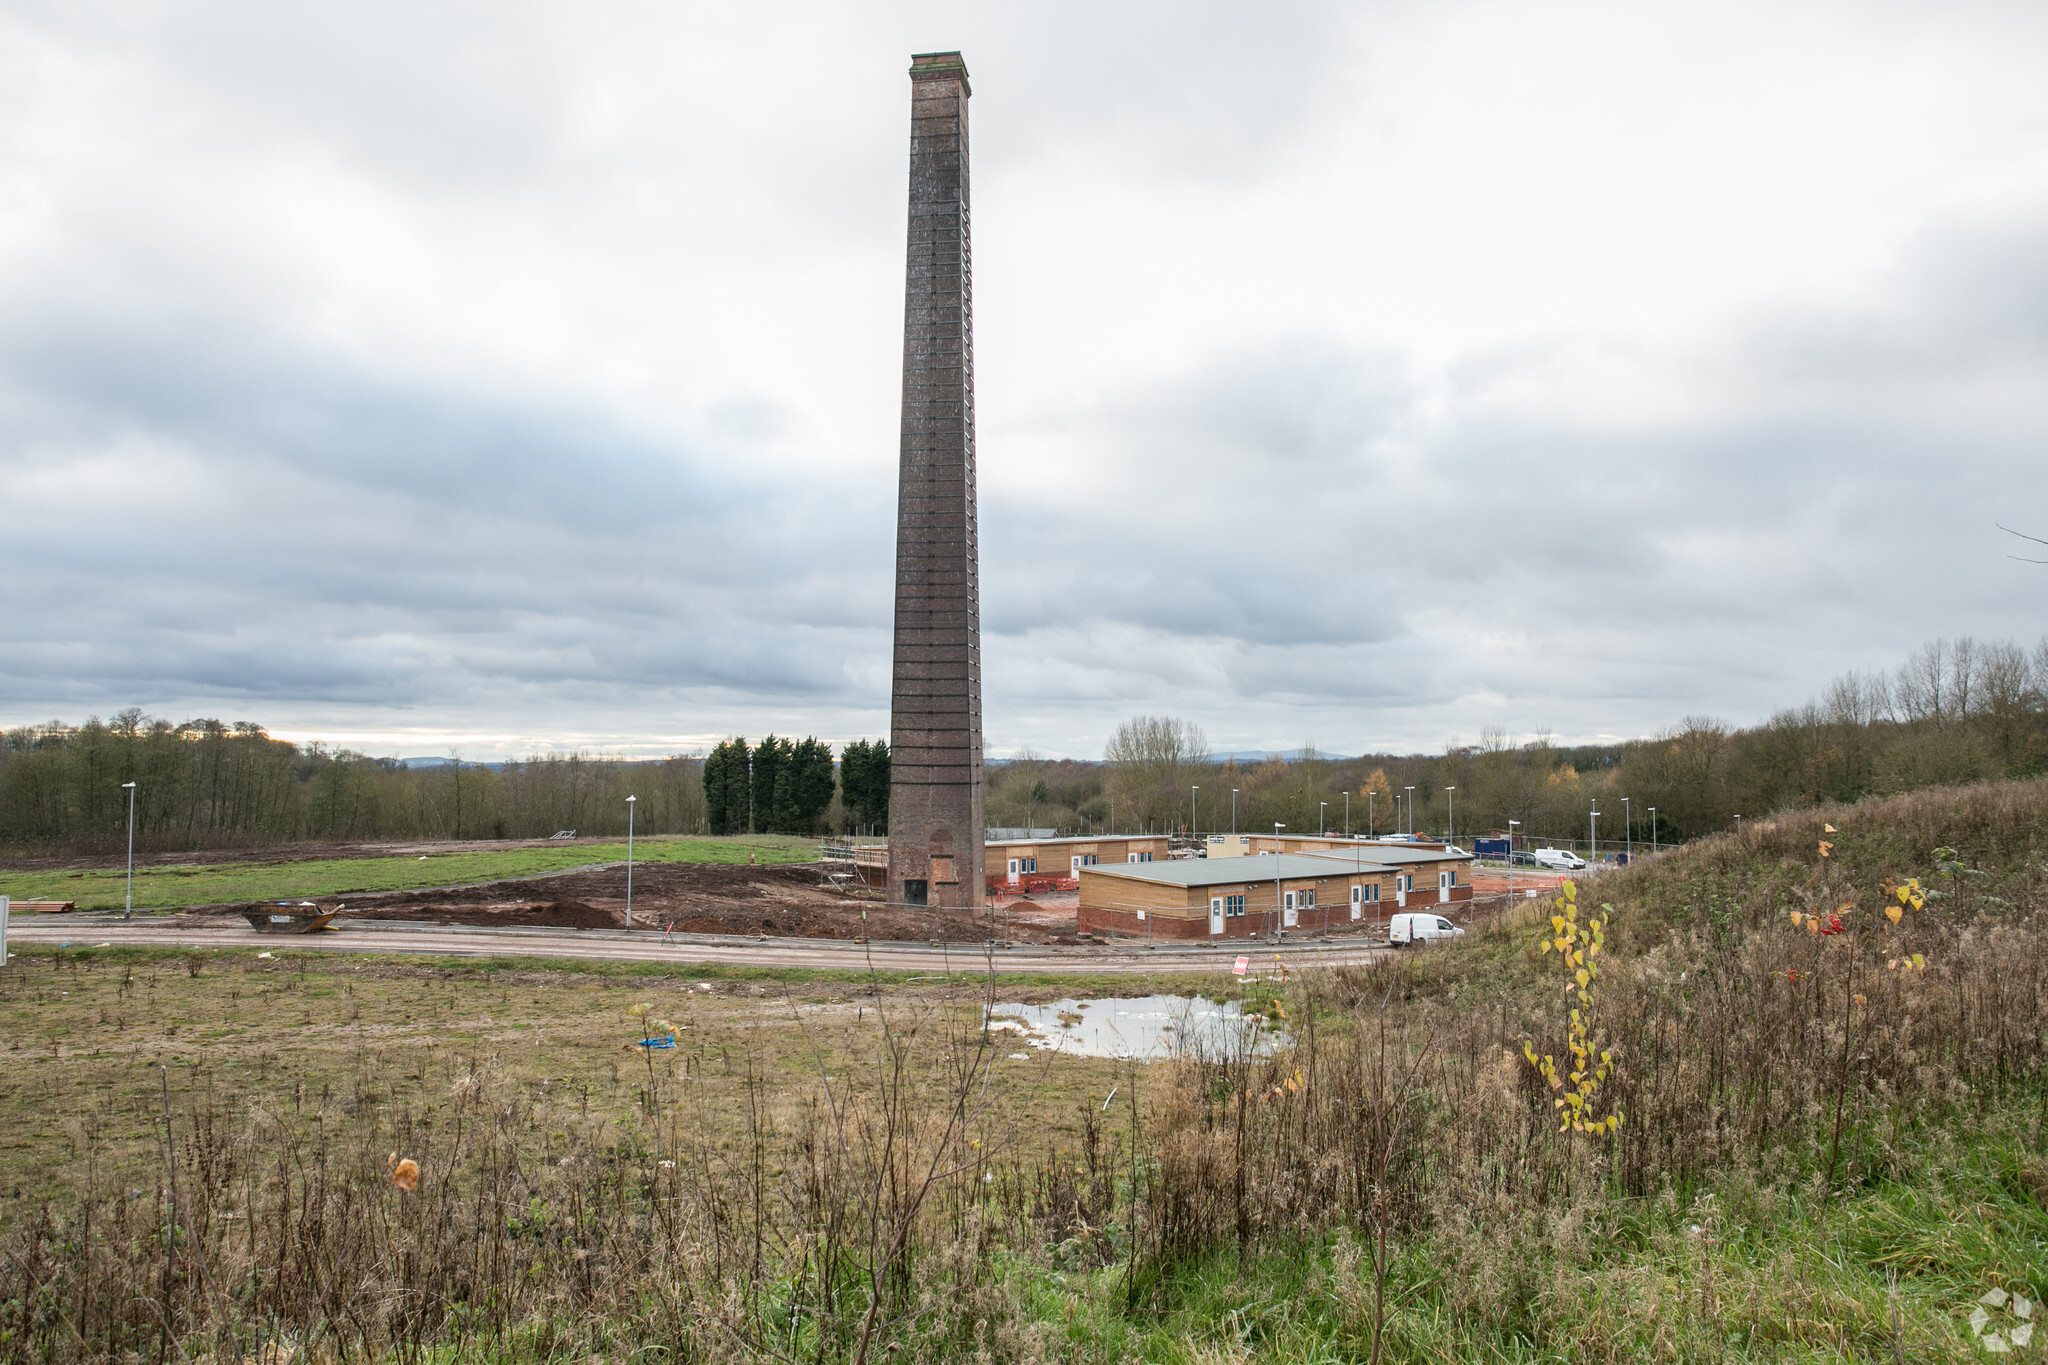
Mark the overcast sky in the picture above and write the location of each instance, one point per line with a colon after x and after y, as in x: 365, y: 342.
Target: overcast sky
x: 512, y: 377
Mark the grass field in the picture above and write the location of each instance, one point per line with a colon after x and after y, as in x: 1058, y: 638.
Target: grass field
x: 87, y: 1032
x: 1835, y: 1145
x: 165, y: 887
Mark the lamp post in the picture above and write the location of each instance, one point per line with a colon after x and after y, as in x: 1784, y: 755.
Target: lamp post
x: 1321, y: 806
x: 1194, y: 813
x: 129, y: 913
x: 1593, y: 830
x: 1411, y: 810
x: 1653, y: 831
x: 1511, y: 862
x: 1233, y: 810
x: 1347, y: 812
x: 1628, y: 826
x: 1277, y: 855
x: 1450, y: 816
x: 629, y: 860
x: 1368, y: 813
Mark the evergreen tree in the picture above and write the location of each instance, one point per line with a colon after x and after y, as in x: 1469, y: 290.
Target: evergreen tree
x: 811, y: 784
x: 864, y: 782
x: 774, y: 761
x: 726, y: 787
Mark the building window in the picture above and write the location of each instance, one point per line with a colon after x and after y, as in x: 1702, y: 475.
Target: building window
x: 1308, y: 900
x: 1029, y: 864
x: 1145, y: 856
x: 1233, y: 906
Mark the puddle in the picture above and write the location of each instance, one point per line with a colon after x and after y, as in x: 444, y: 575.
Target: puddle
x: 1144, y: 1028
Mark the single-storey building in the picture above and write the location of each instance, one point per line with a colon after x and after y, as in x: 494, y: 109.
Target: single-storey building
x: 1014, y: 862
x: 1247, y: 845
x: 1198, y: 898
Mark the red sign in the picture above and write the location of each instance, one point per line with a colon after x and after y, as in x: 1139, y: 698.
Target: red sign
x: 1239, y: 969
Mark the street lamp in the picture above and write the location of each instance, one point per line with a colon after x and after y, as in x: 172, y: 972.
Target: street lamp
x: 1321, y: 806
x: 1411, y: 810
x: 1511, y: 860
x: 1629, y: 837
x: 1277, y: 827
x: 1450, y: 816
x: 1593, y: 830
x: 1347, y: 812
x: 629, y: 860
x: 1653, y: 831
x: 1368, y: 813
x: 1194, y: 812
x: 1233, y: 810
x: 130, y: 912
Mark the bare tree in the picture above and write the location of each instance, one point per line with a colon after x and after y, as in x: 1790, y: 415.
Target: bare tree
x: 1150, y: 760
x: 2023, y: 536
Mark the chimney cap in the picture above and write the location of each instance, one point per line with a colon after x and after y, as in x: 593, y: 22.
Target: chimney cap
x: 939, y: 66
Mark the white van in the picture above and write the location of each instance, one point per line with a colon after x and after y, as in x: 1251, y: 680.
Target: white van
x: 1420, y: 928
x: 1561, y: 859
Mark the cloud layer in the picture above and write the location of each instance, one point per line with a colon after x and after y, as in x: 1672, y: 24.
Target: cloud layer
x: 504, y: 378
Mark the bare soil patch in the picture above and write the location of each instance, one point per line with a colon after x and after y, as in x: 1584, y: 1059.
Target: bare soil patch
x: 792, y: 900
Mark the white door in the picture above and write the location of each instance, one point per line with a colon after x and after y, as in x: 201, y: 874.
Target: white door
x: 1076, y: 866
x: 1130, y: 857
x: 1016, y: 867
x: 1289, y: 916
x: 1401, y: 890
x: 1357, y: 903
x: 1216, y: 914
x: 1443, y: 886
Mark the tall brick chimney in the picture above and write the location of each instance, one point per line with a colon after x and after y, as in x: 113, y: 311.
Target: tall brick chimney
x: 935, y: 775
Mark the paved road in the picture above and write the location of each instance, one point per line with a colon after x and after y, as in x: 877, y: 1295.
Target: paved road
x: 617, y: 945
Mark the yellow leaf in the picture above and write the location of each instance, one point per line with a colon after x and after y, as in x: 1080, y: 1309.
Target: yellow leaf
x: 1557, y: 923
x: 1796, y: 919
x: 1826, y: 848
x: 1827, y: 828
x: 1894, y: 914
x: 1812, y: 925
x: 1919, y: 963
x: 1860, y: 1000
x: 1581, y: 977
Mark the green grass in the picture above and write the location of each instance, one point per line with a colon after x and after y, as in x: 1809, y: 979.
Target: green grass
x: 1771, y: 1274
x: 208, y: 884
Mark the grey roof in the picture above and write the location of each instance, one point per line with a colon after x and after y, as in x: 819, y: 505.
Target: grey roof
x: 1397, y: 855
x: 1264, y: 867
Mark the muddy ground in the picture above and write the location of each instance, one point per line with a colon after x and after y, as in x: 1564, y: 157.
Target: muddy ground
x: 787, y: 901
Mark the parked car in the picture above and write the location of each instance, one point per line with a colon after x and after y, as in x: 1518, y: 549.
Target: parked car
x: 1420, y: 928
x: 1526, y: 860
x: 1561, y: 859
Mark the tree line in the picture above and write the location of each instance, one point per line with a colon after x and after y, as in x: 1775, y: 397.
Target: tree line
x: 208, y: 784
x: 1956, y: 711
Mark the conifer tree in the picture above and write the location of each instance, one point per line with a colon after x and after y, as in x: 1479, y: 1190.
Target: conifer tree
x: 864, y: 782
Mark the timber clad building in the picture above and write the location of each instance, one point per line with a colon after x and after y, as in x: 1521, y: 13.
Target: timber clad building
x: 1013, y: 862
x: 1200, y: 898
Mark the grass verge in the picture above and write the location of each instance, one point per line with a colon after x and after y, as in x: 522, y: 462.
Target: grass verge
x: 169, y: 887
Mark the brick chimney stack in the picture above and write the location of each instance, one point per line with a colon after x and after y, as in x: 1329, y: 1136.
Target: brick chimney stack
x: 935, y: 775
